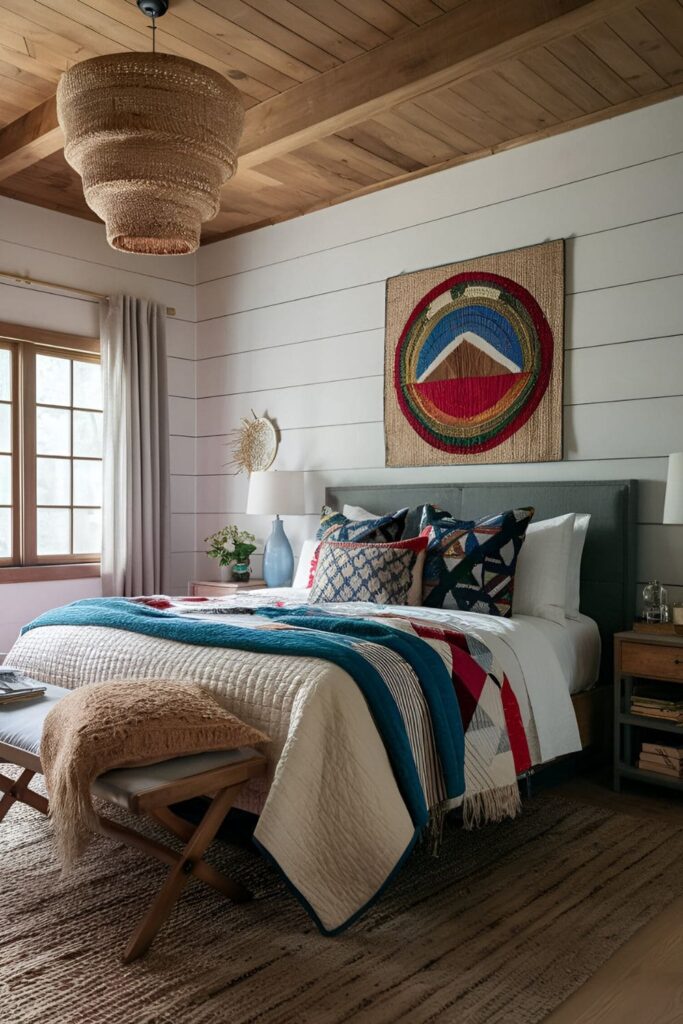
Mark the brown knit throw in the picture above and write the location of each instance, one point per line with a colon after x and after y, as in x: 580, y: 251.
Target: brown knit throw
x: 124, y: 723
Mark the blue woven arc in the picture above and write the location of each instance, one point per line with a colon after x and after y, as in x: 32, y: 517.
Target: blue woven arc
x: 324, y: 637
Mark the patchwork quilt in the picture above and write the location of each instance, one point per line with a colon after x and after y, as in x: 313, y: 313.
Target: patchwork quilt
x: 383, y: 724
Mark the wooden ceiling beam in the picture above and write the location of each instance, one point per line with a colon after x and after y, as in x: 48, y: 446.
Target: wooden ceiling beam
x: 30, y: 138
x: 466, y: 41
x: 461, y: 43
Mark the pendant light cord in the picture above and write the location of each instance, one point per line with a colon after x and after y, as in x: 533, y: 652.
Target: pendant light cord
x: 154, y: 33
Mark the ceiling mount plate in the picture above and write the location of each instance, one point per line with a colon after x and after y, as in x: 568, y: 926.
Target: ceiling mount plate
x: 153, y: 8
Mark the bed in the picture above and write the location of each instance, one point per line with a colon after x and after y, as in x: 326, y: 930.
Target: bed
x: 337, y: 814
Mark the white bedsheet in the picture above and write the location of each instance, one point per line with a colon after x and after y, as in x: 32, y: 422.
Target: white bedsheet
x: 578, y: 647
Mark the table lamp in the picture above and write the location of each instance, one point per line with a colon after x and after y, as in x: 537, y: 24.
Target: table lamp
x: 673, y: 501
x: 274, y: 492
x: 673, y: 513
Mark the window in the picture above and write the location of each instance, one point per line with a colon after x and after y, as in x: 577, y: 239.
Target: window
x: 50, y: 455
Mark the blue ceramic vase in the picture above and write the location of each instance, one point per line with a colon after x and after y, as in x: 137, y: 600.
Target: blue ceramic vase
x: 278, y: 557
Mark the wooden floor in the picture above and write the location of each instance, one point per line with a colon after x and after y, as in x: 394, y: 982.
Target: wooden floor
x: 643, y: 982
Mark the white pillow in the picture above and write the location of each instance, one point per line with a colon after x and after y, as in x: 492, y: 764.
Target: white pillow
x: 543, y: 568
x: 357, y: 514
x: 572, y: 597
x: 302, y: 576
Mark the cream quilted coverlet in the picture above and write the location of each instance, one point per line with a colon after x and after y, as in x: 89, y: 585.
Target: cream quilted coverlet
x: 331, y: 813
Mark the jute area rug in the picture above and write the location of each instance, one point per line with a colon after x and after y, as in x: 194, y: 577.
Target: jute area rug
x: 502, y: 927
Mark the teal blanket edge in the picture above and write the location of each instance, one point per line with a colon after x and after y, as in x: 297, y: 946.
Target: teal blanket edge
x: 332, y: 638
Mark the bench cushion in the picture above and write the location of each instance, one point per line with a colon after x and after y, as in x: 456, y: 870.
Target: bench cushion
x: 120, y: 785
x: 21, y: 723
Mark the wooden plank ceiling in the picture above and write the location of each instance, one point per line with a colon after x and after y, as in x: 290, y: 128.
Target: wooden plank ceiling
x: 345, y: 97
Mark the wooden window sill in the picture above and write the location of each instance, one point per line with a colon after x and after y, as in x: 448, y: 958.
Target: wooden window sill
x: 40, y: 573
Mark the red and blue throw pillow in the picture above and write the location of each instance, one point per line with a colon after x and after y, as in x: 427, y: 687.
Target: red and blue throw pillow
x: 336, y: 526
x: 471, y: 565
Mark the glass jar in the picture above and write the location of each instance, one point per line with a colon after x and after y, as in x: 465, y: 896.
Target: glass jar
x: 655, y: 602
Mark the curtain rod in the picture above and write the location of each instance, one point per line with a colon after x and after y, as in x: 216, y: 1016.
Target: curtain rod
x: 18, y: 279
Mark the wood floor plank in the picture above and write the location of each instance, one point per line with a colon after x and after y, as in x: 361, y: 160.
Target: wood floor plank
x: 641, y: 984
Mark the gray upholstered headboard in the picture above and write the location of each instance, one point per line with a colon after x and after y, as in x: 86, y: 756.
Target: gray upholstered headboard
x: 608, y: 571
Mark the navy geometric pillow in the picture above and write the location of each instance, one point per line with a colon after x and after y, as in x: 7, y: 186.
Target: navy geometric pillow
x: 471, y: 565
x: 335, y: 526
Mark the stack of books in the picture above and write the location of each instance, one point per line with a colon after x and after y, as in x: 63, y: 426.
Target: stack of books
x: 667, y: 708
x: 15, y: 687
x: 666, y: 759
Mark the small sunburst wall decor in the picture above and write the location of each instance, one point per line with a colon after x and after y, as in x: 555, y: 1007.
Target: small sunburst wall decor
x: 253, y: 444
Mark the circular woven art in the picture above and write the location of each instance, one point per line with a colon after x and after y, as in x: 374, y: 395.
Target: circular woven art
x: 473, y: 362
x: 254, y: 444
x: 153, y: 137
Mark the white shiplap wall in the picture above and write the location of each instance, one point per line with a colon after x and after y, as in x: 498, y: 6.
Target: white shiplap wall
x: 55, y: 247
x: 290, y: 319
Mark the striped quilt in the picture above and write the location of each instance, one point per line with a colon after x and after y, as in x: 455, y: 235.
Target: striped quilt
x: 444, y: 713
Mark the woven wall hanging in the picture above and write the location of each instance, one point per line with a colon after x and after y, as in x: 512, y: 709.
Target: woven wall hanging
x: 153, y: 137
x: 474, y: 360
x: 253, y: 445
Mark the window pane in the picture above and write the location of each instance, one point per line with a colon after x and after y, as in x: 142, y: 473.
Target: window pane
x: 53, y: 380
x: 5, y: 532
x: 88, y: 433
x: 5, y: 374
x: 87, y: 530
x: 87, y: 385
x: 5, y: 427
x: 54, y: 529
x: 5, y: 479
x: 53, y: 482
x: 87, y: 483
x: 53, y: 431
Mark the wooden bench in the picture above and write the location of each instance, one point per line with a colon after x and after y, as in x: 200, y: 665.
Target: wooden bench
x: 148, y: 790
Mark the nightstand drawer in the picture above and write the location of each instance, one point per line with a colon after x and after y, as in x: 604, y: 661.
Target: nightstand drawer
x: 655, y: 661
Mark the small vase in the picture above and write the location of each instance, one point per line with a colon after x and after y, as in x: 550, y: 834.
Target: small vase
x: 241, y: 572
x: 225, y: 574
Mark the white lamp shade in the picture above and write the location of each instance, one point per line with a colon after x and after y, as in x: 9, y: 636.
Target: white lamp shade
x: 276, y: 493
x: 673, y: 502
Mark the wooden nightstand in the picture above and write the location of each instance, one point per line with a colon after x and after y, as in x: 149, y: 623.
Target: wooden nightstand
x: 212, y: 588
x: 647, y: 657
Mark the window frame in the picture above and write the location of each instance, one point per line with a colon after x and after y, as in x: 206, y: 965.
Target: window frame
x: 25, y: 565
x: 15, y: 473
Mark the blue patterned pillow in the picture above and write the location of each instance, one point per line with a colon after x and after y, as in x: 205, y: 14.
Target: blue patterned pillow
x: 336, y: 526
x: 471, y: 565
x: 380, y: 573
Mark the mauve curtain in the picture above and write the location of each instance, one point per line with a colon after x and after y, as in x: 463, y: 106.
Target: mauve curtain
x: 136, y: 521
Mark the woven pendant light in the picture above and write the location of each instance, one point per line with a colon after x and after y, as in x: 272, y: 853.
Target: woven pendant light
x: 153, y: 137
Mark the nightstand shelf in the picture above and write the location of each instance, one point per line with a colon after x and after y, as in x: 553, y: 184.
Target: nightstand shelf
x: 648, y: 658
x: 629, y: 771
x: 650, y: 723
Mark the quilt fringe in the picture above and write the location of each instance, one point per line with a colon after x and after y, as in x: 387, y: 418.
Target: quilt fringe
x: 491, y: 805
x: 487, y: 806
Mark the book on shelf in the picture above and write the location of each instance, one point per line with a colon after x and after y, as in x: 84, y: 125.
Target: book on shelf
x: 661, y: 700
x: 17, y: 687
x: 645, y: 764
x: 676, y: 717
x: 673, y: 750
x: 658, y: 706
